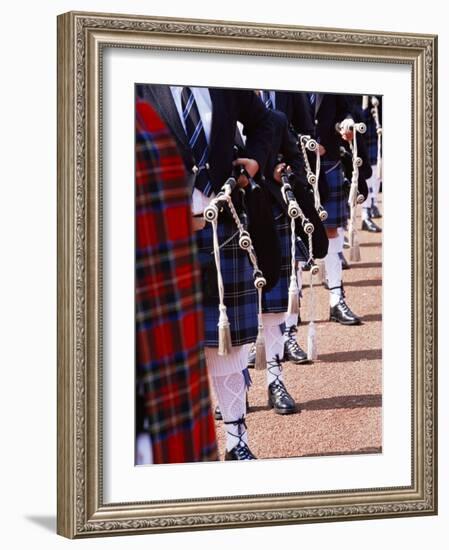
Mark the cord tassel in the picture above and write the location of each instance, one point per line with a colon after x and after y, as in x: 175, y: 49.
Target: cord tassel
x: 293, y: 289
x: 293, y: 297
x: 261, y: 355
x: 224, y: 328
x: 354, y: 252
x: 312, y: 353
x: 224, y: 333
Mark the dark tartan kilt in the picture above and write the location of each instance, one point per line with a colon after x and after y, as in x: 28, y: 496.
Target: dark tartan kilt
x: 371, y: 142
x: 276, y: 299
x: 336, y: 205
x: 240, y: 295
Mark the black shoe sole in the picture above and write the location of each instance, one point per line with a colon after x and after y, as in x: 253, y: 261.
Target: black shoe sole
x: 283, y: 411
x: 347, y: 323
x: 365, y: 228
x: 297, y: 362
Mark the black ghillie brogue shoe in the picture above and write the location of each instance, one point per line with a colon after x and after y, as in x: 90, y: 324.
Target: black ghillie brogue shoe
x: 278, y: 397
x: 292, y: 350
x: 369, y: 225
x: 241, y: 451
x: 341, y: 313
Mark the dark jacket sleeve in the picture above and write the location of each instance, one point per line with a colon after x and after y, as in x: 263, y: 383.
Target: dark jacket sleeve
x: 285, y: 144
x: 254, y: 116
x: 301, y: 119
x: 343, y: 108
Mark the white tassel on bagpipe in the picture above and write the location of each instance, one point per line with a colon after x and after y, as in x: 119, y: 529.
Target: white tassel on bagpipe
x: 294, y: 211
x: 293, y: 289
x: 312, y: 351
x: 354, y: 197
x: 261, y: 354
x: 245, y: 243
x: 224, y: 328
x: 308, y: 144
x: 375, y: 113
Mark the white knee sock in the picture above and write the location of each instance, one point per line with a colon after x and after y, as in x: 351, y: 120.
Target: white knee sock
x: 334, y: 270
x: 274, y: 345
x: 230, y: 389
x: 290, y: 319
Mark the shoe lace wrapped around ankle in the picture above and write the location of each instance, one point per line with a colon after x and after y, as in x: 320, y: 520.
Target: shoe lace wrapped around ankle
x: 342, y: 289
x: 291, y: 342
x: 277, y: 366
x: 346, y: 308
x: 241, y: 449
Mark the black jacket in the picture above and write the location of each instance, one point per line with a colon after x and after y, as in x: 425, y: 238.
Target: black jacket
x: 228, y: 107
x: 297, y: 109
x: 329, y: 109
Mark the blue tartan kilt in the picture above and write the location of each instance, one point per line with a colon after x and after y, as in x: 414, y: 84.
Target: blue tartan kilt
x: 276, y: 299
x: 371, y: 143
x: 336, y: 205
x: 240, y: 295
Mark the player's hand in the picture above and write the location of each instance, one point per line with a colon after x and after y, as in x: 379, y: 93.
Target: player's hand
x: 346, y: 129
x: 250, y: 165
x: 277, y: 171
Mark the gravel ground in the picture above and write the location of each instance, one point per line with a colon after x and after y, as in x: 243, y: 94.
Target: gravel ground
x: 340, y: 394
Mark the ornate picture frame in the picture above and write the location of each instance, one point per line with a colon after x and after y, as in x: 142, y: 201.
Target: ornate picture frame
x: 82, y: 38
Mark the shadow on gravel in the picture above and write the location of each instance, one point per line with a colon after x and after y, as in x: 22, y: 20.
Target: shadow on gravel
x: 257, y: 408
x: 362, y: 451
x: 351, y: 356
x: 364, y: 282
x: 370, y: 245
x: 366, y: 265
x: 365, y: 319
x: 343, y: 402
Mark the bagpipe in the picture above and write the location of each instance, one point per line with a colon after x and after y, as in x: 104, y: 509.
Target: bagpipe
x: 376, y: 117
x: 364, y: 170
x: 295, y: 213
x: 251, y: 213
x: 306, y: 143
x: 355, y: 197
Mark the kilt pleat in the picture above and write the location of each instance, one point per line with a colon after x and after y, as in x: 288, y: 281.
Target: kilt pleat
x: 336, y: 204
x: 276, y: 299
